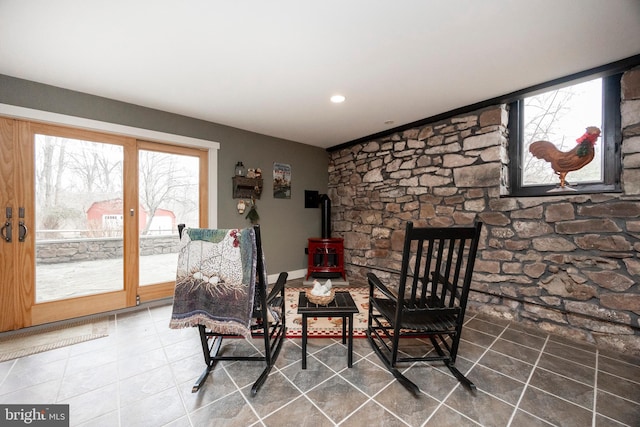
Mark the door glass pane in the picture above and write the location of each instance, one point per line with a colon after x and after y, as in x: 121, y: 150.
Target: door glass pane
x: 79, y: 212
x: 169, y: 195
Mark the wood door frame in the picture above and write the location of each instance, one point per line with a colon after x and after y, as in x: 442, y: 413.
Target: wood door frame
x: 17, y: 290
x: 50, y: 311
x: 165, y: 290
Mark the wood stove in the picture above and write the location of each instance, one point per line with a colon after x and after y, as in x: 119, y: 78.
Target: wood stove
x: 326, y: 254
x: 326, y: 258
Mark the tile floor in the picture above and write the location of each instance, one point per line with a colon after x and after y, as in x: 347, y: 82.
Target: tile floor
x: 142, y: 373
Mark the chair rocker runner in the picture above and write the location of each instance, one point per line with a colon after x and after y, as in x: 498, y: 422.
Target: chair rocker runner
x: 221, y: 287
x: 431, y: 299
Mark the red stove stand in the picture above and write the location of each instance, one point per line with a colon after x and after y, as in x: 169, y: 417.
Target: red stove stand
x: 326, y: 256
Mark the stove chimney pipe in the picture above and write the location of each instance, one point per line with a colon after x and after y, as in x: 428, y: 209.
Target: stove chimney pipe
x: 326, y: 216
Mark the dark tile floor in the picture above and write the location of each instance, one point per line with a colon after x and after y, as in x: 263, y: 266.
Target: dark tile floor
x: 142, y: 374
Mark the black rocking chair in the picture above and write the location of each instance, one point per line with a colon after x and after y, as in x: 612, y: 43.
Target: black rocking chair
x: 265, y: 325
x: 435, y: 277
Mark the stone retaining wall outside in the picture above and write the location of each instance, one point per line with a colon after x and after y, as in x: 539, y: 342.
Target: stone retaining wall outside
x: 567, y: 264
x: 89, y: 249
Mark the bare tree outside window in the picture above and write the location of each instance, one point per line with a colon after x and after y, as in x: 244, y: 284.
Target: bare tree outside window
x: 169, y: 182
x: 71, y: 175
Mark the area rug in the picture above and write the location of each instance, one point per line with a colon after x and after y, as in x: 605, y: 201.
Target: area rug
x: 326, y: 327
x: 21, y: 344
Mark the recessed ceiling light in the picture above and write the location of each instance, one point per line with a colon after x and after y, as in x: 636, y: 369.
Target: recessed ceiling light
x: 337, y: 99
x: 389, y: 122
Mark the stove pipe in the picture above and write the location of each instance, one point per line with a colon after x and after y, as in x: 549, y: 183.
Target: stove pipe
x: 326, y: 216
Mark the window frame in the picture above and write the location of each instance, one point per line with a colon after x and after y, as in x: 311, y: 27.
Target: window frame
x: 611, y: 141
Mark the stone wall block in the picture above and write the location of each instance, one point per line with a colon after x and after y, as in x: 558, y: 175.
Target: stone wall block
x: 373, y: 176
x: 604, y: 225
x: 464, y: 218
x: 414, y: 143
x: 597, y: 326
x: 631, y: 181
x: 611, y: 280
x: 501, y: 278
x: 475, y: 205
x: 559, y: 212
x: 354, y: 240
x: 377, y: 253
x: 380, y: 233
x: 513, y: 268
x: 481, y: 141
x: 629, y: 112
x: 631, y: 161
x: 603, y: 243
x: 503, y: 204
x: 409, y: 182
x: 443, y: 149
x: 503, y: 233
x: 497, y: 255
x: 536, y: 312
x: 621, y: 301
x: 485, y: 175
x: 611, y: 210
x: 529, y: 213
x: 428, y: 180
x: 495, y: 243
x: 446, y: 221
x: 631, y: 144
x: 425, y: 132
x: 495, y: 218
x: 411, y: 133
x: 494, y: 154
x: 487, y: 266
x: 517, y: 245
x: 633, y: 266
x: 535, y: 270
x: 493, y: 116
x: 529, y: 229
x: 456, y: 160
x: 630, y: 84
x: 592, y: 310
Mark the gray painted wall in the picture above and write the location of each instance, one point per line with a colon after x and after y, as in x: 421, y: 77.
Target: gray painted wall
x: 285, y: 223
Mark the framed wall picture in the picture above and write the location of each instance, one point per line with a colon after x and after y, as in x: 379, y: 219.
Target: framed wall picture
x: 281, y: 181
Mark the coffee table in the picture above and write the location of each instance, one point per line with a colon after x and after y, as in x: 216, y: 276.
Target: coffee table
x: 342, y: 306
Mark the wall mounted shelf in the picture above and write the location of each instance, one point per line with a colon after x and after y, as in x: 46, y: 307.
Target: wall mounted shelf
x: 246, y: 188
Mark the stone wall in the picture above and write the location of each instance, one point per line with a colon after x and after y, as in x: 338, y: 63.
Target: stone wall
x: 567, y: 264
x: 90, y: 249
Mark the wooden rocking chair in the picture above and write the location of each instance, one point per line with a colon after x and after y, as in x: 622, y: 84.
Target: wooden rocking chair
x: 431, y: 299
x: 267, y: 316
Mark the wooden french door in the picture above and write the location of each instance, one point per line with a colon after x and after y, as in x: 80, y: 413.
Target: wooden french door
x: 73, y: 220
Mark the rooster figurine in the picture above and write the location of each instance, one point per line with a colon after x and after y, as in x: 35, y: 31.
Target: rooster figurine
x: 565, y: 162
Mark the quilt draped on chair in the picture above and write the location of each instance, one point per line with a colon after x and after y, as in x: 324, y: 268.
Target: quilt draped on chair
x: 215, y: 281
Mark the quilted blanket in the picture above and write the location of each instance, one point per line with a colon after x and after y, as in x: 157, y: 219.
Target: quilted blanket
x: 215, y: 280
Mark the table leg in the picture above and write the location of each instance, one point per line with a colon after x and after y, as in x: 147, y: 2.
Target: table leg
x: 304, y: 341
x: 344, y: 329
x: 350, y: 346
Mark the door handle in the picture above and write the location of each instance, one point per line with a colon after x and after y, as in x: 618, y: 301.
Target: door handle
x: 22, y: 229
x: 6, y: 229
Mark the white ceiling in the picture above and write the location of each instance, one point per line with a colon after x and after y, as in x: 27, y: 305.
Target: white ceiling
x: 271, y: 66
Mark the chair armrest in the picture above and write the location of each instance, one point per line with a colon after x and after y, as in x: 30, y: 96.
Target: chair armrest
x: 375, y: 282
x: 278, y: 287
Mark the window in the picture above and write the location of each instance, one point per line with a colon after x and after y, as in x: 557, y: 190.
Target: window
x: 561, y: 115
